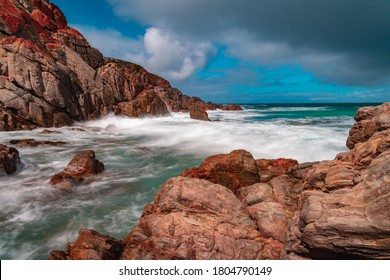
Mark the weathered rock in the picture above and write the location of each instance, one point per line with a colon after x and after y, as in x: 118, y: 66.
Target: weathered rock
x: 9, y: 158
x: 48, y: 131
x: 33, y: 143
x: 234, y: 171
x: 50, y: 76
x: 369, y: 121
x: 82, y: 165
x: 90, y: 245
x: 146, y: 103
x: 196, y: 219
x: 231, y: 107
x: 270, y: 168
x: 198, y: 113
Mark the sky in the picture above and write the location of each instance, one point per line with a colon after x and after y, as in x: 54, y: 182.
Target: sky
x: 248, y: 51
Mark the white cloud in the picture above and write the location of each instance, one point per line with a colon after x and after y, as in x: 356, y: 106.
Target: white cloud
x: 159, y: 51
x: 164, y: 53
x: 109, y: 41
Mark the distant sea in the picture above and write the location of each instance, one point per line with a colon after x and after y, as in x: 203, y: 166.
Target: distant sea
x: 139, y: 156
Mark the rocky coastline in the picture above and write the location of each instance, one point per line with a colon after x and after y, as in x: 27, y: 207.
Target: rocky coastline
x: 235, y: 207
x: 232, y: 206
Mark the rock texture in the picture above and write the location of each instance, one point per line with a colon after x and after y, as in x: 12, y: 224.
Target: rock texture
x: 82, y: 165
x: 235, y: 207
x: 231, y: 107
x: 198, y: 113
x: 50, y: 76
x: 9, y: 158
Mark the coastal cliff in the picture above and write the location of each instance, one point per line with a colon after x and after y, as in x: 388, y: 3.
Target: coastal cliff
x: 50, y: 76
x: 235, y: 207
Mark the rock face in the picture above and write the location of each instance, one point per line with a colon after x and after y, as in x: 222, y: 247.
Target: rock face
x: 228, y: 209
x: 33, y: 143
x: 9, y: 158
x: 198, y: 113
x: 235, y: 170
x: 50, y: 76
x: 82, y: 165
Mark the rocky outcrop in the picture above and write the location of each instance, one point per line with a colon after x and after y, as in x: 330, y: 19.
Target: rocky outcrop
x: 198, y: 113
x: 228, y: 209
x: 369, y: 121
x: 9, y: 158
x: 50, y: 76
x: 82, y: 166
x: 90, y: 245
x: 235, y: 170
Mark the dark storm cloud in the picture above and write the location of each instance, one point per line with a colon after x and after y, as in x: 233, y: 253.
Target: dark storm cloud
x: 355, y: 34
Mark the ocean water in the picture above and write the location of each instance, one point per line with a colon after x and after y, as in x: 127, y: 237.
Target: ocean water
x: 139, y: 156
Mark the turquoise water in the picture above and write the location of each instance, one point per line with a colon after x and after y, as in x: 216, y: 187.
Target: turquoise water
x: 139, y: 156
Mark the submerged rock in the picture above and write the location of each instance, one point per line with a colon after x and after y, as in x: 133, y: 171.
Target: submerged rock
x: 82, y: 166
x: 33, y: 143
x: 9, y: 158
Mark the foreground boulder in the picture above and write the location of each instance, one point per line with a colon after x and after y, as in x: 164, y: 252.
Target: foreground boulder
x: 82, y: 166
x: 227, y: 209
x: 198, y: 113
x: 9, y: 158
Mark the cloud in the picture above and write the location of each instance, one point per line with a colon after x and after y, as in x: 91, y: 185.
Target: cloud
x: 168, y: 55
x: 343, y: 41
x: 110, y: 42
x: 159, y: 51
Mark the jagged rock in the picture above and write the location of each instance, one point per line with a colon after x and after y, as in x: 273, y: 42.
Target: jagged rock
x: 90, y: 245
x: 198, y: 113
x: 270, y: 168
x: 50, y: 76
x: 369, y: 121
x: 33, y: 143
x: 146, y: 103
x: 82, y: 165
x: 234, y: 171
x: 9, y: 158
x: 196, y: 219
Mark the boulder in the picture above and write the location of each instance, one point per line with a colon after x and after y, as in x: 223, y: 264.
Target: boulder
x: 82, y: 165
x: 234, y: 171
x: 9, y: 158
x: 198, y: 113
x: 90, y: 245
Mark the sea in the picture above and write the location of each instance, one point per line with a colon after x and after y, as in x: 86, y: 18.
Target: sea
x: 139, y: 156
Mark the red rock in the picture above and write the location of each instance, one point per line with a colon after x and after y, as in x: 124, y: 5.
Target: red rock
x: 270, y: 168
x: 198, y: 113
x: 370, y: 120
x: 90, y: 245
x: 147, y: 103
x: 9, y: 158
x: 234, y: 171
x: 82, y: 165
x: 231, y: 107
